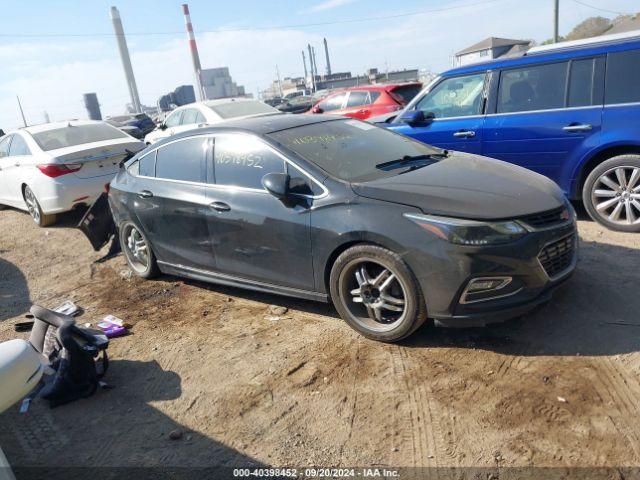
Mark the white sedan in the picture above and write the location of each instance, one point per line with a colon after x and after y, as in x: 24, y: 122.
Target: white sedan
x: 55, y: 167
x: 205, y: 113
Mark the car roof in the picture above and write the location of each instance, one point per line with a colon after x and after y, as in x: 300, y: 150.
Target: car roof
x: 43, y: 127
x: 560, y: 52
x: 261, y: 125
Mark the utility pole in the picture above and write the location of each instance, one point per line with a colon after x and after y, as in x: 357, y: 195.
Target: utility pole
x: 326, y: 54
x: 21, y: 112
x: 126, y: 60
x: 556, y: 18
x: 46, y: 117
x: 279, y: 82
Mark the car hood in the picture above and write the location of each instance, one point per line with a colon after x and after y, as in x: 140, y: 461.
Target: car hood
x: 468, y: 186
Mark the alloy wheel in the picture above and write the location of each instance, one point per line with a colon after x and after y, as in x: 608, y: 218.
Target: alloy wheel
x: 136, y: 248
x: 616, y: 195
x: 32, y: 205
x: 374, y: 294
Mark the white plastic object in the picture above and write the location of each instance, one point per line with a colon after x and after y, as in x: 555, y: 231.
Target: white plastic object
x: 21, y: 368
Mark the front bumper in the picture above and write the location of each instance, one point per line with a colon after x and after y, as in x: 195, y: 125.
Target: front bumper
x: 533, y: 283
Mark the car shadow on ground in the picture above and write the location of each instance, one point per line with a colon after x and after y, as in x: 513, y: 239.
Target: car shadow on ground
x: 14, y: 291
x: 132, y: 441
x: 594, y: 313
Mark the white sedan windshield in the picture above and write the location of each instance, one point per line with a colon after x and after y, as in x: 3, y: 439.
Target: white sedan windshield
x: 76, y: 135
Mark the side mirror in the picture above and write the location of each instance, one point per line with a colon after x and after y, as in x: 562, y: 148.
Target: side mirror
x: 162, y: 126
x: 316, y: 109
x: 416, y: 117
x: 277, y: 184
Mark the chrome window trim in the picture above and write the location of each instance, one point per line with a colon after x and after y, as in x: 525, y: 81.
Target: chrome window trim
x: 562, y: 109
x: 624, y: 104
x: 324, y: 193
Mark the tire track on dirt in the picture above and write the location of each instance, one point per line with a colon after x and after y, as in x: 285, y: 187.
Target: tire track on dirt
x: 426, y: 431
x: 624, y: 392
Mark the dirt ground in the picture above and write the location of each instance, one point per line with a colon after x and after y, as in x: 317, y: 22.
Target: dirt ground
x: 557, y: 388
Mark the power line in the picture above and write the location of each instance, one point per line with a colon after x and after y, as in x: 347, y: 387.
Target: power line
x: 600, y: 9
x: 246, y: 29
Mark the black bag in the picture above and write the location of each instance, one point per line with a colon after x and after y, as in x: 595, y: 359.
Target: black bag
x: 77, y: 355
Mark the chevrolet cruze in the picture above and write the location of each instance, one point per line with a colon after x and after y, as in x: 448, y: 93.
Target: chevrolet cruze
x: 392, y: 231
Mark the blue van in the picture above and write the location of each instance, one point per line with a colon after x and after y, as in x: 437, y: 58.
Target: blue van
x: 570, y: 111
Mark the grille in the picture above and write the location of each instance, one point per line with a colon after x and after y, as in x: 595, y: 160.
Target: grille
x: 547, y: 219
x: 557, y: 256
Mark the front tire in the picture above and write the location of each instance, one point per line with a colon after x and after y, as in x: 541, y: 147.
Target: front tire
x: 137, y: 251
x: 376, y: 294
x: 33, y: 206
x: 611, y: 193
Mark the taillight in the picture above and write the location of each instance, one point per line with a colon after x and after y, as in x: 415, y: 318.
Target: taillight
x: 107, y: 186
x: 57, y: 170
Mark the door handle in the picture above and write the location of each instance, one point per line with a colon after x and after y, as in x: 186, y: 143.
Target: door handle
x: 577, y: 128
x: 145, y: 194
x: 220, y: 206
x: 465, y: 133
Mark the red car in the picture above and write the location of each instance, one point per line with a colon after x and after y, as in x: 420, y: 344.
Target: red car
x: 368, y: 101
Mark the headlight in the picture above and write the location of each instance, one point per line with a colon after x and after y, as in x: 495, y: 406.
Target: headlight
x: 469, y: 232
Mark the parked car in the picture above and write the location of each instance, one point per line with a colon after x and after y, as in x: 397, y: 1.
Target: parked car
x: 364, y: 102
x: 135, y: 132
x: 141, y: 121
x: 299, y: 104
x: 209, y: 112
x: 273, y: 102
x: 55, y: 167
x: 570, y: 111
x: 322, y: 207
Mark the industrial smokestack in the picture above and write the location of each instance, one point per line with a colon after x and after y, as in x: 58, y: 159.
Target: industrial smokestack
x: 195, y: 57
x: 315, y: 65
x: 326, y: 54
x: 126, y: 60
x: 92, y: 106
x: 304, y: 62
x: 313, y: 75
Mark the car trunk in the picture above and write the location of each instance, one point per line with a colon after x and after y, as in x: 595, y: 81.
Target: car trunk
x: 97, y: 159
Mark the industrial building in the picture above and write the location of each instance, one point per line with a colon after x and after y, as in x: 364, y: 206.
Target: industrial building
x: 217, y: 83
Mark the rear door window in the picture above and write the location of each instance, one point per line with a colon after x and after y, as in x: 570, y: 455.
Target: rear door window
x: 173, y: 119
x: 358, y: 98
x: 189, y: 117
x: 536, y: 87
x: 19, y: 147
x: 4, y: 146
x: 182, y: 160
x: 623, y: 77
x: 242, y: 161
x: 147, y: 165
x: 581, y: 79
x: 333, y: 103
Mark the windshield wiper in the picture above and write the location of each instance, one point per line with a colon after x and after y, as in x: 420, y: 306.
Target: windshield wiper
x: 412, y: 161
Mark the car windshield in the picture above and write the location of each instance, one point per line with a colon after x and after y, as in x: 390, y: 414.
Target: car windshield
x: 350, y: 149
x: 241, y: 109
x: 72, y: 135
x: 406, y: 92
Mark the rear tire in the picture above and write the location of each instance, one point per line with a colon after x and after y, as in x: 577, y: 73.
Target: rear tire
x: 35, y: 210
x: 611, y: 193
x: 137, y: 251
x: 376, y: 294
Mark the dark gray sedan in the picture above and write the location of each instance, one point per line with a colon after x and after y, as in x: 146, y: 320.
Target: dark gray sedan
x: 390, y: 230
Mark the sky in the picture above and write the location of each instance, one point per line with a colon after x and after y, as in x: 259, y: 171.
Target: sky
x: 53, y: 52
